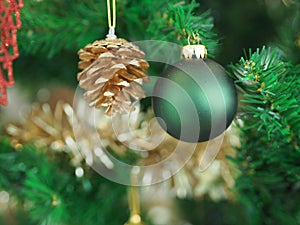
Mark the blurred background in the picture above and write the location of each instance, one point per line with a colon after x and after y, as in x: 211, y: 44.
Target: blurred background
x: 46, y: 72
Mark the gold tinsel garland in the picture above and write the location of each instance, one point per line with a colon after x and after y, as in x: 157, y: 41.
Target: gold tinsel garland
x: 47, y: 127
x: 53, y: 128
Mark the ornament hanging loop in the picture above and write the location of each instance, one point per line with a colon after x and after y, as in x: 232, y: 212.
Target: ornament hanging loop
x: 111, y: 16
x: 111, y: 33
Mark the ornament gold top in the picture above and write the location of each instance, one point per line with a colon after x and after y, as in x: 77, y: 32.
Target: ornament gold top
x: 194, y: 51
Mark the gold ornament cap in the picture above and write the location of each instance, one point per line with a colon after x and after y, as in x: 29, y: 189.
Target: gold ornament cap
x: 194, y: 51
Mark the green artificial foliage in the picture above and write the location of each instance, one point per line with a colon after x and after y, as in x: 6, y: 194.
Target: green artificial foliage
x: 53, y: 31
x: 269, y: 121
x: 53, y: 195
x: 179, y: 23
x: 270, y: 87
x: 51, y: 26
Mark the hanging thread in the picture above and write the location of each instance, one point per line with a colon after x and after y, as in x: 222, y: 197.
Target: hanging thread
x: 134, y: 201
x: 111, y: 19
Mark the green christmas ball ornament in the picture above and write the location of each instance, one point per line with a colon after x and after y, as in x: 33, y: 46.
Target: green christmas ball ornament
x: 194, y: 100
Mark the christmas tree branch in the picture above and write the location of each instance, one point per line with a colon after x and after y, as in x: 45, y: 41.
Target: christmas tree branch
x: 270, y: 92
x: 53, y: 194
x: 177, y: 22
x: 52, y: 26
x: 269, y: 124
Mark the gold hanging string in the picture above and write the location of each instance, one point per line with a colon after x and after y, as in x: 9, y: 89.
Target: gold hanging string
x: 111, y: 16
x: 134, y: 203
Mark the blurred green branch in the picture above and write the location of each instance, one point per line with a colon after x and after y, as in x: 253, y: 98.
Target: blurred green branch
x: 182, y: 23
x: 51, y: 192
x: 268, y: 157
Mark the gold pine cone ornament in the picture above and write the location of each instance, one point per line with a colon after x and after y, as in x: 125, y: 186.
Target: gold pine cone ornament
x: 113, y: 71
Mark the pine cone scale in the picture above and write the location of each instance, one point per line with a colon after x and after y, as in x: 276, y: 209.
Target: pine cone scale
x: 92, y: 94
x: 139, y: 73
